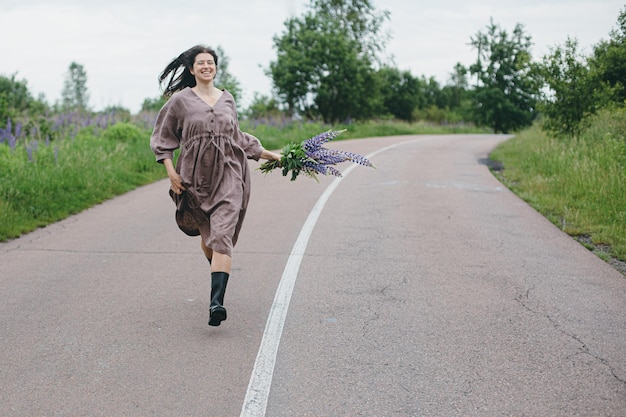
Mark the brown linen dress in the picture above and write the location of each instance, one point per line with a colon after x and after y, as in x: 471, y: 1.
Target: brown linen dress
x: 212, y: 165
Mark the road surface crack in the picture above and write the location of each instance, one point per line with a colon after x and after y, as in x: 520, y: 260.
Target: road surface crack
x: 583, y: 348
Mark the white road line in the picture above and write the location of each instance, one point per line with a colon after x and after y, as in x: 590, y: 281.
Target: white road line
x: 255, y: 403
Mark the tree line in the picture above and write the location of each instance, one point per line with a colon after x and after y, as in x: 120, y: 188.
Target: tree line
x: 330, y: 65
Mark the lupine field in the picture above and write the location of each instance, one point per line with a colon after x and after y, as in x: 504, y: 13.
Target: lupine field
x: 55, y: 166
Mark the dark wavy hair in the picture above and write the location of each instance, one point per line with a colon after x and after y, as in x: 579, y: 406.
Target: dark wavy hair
x: 177, y: 80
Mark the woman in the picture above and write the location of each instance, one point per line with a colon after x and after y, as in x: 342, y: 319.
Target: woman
x: 211, y: 181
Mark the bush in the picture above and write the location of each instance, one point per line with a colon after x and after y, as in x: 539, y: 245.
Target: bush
x: 124, y: 132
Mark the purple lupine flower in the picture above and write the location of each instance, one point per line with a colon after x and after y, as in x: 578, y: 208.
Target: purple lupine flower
x: 312, y: 167
x: 323, y: 158
x: 316, y: 142
x: 18, y: 130
x: 311, y: 158
x: 334, y: 171
x: 327, y: 156
x: 356, y: 158
x: 9, y: 137
x: 59, y: 121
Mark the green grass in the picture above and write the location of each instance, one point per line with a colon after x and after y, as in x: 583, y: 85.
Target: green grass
x: 275, y: 136
x: 67, y: 176
x: 579, y: 184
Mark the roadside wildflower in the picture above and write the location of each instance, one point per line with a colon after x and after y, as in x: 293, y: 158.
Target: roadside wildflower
x: 311, y: 158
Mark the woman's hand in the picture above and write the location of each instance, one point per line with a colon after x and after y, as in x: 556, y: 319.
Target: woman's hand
x: 177, y: 184
x: 175, y: 180
x: 270, y: 156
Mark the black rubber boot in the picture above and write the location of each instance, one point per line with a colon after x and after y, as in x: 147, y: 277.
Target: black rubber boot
x: 218, y: 288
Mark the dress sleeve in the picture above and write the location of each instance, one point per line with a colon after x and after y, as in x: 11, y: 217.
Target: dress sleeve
x: 167, y: 131
x: 250, y: 144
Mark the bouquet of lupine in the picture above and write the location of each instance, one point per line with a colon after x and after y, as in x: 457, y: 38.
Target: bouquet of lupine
x: 311, y: 158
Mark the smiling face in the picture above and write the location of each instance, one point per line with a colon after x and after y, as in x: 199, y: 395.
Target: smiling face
x: 204, y: 68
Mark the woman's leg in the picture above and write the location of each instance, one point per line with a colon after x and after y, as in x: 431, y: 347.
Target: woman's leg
x: 208, y: 252
x: 220, y: 271
x: 221, y: 262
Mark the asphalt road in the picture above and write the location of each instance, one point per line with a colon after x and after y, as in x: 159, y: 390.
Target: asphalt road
x: 424, y: 288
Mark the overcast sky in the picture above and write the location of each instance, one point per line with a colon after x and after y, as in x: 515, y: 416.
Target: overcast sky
x: 124, y: 44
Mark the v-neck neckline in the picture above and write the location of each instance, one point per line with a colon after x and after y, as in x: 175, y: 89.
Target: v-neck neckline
x: 206, y: 102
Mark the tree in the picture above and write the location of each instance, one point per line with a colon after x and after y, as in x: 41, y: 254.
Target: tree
x: 608, y: 62
x: 571, y: 94
x: 224, y: 79
x: 263, y: 106
x: 456, y: 96
x: 432, y: 93
x: 16, y: 100
x: 348, y: 88
x: 359, y: 21
x: 153, y: 104
x: 75, y: 96
x: 457, y: 86
x: 508, y: 85
x: 325, y: 60
x: 579, y: 85
x: 400, y: 92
